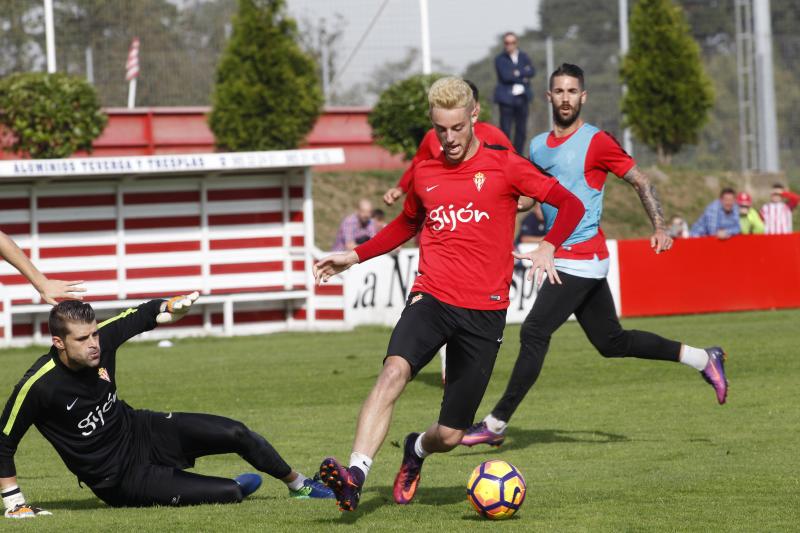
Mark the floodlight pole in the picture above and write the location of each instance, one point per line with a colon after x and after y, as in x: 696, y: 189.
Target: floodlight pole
x: 624, y: 44
x: 548, y: 52
x: 326, y: 71
x: 50, y: 36
x: 768, y: 160
x: 426, y: 37
x: 132, y: 94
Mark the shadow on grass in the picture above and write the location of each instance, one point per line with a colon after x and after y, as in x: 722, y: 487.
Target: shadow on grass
x: 439, y: 495
x: 72, y: 505
x: 426, y: 496
x: 522, y: 438
x: 370, y: 502
x: 475, y: 517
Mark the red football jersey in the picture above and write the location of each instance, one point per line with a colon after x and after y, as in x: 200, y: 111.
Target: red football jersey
x: 604, y: 155
x: 467, y: 235
x: 430, y: 147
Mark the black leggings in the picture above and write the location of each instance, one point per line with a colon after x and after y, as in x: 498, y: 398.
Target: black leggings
x: 180, y: 438
x: 591, y: 301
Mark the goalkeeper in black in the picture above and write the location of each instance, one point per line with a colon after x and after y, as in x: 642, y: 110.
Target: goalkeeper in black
x: 128, y: 457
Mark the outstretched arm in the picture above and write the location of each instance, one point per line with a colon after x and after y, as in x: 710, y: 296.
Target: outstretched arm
x: 398, y: 231
x: 660, y: 241
x: 51, y: 290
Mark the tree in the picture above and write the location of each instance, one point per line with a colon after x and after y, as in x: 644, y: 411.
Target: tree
x: 322, y: 41
x: 19, y: 50
x: 400, y: 118
x: 50, y: 115
x: 669, y: 94
x: 267, y: 94
x: 593, y: 21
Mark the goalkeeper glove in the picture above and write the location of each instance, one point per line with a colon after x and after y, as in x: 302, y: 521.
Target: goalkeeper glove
x: 175, y: 308
x: 15, y: 505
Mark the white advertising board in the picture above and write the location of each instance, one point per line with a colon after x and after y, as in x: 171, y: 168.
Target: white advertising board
x: 375, y: 291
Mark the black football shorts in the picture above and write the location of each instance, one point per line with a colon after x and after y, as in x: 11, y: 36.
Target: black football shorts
x: 473, y: 338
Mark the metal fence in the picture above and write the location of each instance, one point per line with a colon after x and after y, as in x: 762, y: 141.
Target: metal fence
x: 365, y: 45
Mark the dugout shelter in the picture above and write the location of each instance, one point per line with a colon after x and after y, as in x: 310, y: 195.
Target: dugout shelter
x: 238, y: 227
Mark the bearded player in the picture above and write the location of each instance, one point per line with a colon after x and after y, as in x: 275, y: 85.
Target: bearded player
x: 581, y: 156
x: 465, y: 200
x: 127, y: 457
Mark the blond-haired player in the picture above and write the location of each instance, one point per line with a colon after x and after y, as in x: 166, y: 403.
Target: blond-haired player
x: 465, y: 201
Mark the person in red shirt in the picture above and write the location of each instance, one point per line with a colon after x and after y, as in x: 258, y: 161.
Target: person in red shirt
x: 465, y: 200
x: 582, y: 155
x: 430, y: 147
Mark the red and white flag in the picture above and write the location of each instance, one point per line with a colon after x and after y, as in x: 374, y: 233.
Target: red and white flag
x: 132, y: 66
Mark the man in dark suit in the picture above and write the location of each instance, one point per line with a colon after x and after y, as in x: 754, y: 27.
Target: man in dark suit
x: 513, y: 92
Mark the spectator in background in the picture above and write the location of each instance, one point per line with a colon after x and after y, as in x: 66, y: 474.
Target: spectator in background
x: 379, y: 219
x: 513, y: 92
x: 356, y: 228
x: 777, y: 214
x: 533, y: 227
x: 750, y: 221
x: 720, y: 219
x: 678, y: 228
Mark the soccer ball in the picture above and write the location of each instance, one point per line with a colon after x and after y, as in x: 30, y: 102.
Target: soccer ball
x: 496, y: 489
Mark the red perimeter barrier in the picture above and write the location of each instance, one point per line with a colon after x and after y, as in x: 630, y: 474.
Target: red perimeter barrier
x: 184, y: 130
x: 706, y: 275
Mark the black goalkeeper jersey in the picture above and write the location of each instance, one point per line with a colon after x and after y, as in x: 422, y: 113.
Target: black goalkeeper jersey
x: 78, y: 412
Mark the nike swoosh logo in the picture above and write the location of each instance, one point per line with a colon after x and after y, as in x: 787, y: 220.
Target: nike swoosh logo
x: 70, y: 406
x: 169, y: 415
x: 429, y: 189
x: 548, y: 168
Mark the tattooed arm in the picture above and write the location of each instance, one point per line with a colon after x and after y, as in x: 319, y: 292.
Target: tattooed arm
x: 660, y: 241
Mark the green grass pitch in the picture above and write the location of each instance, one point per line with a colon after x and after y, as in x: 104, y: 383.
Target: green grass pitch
x: 605, y: 445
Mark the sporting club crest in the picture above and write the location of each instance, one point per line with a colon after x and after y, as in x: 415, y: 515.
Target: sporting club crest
x: 479, y: 180
x: 103, y: 373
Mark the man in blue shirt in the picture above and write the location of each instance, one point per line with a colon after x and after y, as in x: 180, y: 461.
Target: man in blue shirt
x: 513, y: 92
x: 720, y: 219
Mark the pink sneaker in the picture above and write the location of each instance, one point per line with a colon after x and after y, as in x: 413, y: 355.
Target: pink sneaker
x: 407, y: 479
x: 480, y: 434
x: 714, y: 372
x: 345, y: 486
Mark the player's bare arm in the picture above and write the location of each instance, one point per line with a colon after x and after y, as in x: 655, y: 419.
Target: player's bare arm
x: 332, y: 265
x: 391, y: 195
x: 51, y: 290
x: 525, y: 204
x: 660, y: 241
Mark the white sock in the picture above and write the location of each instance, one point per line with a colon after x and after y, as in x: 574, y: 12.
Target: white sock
x: 297, y: 483
x: 418, y: 449
x: 696, y: 358
x: 12, y: 497
x: 361, y: 461
x: 495, y: 425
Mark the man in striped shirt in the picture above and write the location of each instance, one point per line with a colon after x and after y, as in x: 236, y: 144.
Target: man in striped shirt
x: 777, y: 214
